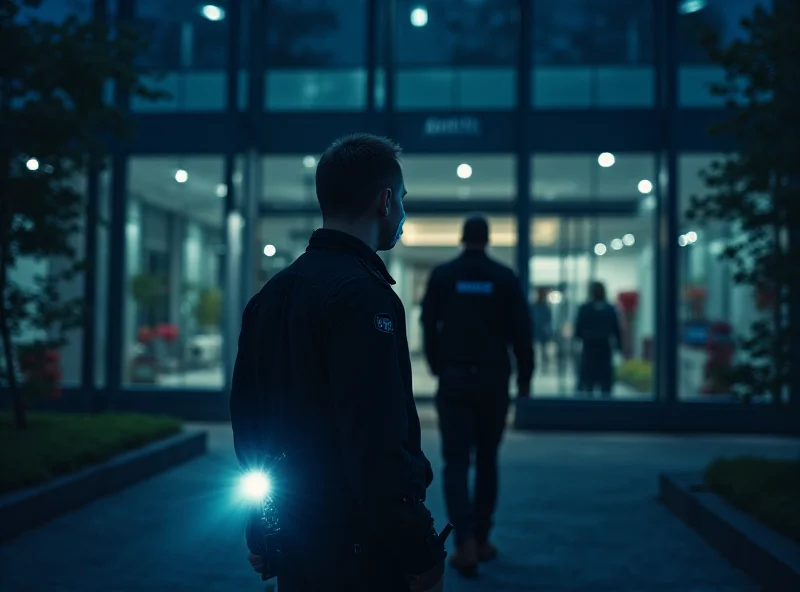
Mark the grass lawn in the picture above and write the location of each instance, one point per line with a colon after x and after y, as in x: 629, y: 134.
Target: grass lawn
x: 768, y: 490
x: 57, y: 444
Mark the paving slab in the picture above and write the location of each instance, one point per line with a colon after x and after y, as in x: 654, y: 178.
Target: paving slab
x: 578, y: 512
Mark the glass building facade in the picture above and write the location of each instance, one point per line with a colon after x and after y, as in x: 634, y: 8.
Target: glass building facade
x: 578, y: 126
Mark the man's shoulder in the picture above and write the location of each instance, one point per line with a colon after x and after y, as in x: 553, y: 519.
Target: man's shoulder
x: 340, y: 277
x: 501, y: 271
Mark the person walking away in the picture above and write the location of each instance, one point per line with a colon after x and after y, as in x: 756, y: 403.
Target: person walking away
x: 597, y: 327
x: 542, y: 327
x: 323, y: 376
x: 473, y: 309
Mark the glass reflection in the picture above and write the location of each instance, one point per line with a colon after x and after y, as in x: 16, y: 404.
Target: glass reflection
x: 593, y: 54
x: 456, y: 54
x: 315, y: 54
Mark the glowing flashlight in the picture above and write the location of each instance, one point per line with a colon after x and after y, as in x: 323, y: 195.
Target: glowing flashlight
x: 255, y: 486
x: 263, y: 489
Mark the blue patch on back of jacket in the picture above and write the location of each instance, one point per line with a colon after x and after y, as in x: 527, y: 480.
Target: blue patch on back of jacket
x: 464, y: 287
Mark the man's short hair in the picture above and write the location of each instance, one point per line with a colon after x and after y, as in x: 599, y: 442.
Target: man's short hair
x: 353, y: 170
x: 475, y: 231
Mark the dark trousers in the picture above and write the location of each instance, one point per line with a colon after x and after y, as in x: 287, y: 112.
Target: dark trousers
x: 472, y: 408
x: 597, y: 369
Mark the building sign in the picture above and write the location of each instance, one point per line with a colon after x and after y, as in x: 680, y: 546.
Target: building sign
x: 453, y: 126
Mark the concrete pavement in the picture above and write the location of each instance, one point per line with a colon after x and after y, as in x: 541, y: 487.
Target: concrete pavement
x: 577, y: 513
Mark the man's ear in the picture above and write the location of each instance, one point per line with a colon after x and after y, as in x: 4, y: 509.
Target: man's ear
x: 384, y: 202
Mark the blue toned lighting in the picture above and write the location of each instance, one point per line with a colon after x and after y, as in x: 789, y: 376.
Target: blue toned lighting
x: 255, y: 486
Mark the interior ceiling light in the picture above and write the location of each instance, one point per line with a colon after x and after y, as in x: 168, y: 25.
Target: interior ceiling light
x: 503, y: 233
x: 606, y: 159
x: 464, y: 171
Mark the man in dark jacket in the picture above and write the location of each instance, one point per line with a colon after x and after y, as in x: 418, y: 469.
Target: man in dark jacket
x: 474, y: 308
x: 323, y: 376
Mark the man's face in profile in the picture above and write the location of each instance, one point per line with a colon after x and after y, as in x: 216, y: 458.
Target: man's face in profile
x: 392, y: 223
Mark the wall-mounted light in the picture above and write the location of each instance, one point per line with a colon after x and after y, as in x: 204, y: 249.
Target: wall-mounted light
x: 690, y: 6
x: 213, y: 12
x: 419, y: 16
x: 181, y: 176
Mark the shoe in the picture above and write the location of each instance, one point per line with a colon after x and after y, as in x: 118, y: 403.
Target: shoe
x: 486, y: 552
x: 465, y: 559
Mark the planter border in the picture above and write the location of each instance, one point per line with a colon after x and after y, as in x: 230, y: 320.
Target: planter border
x: 768, y: 558
x: 24, y: 510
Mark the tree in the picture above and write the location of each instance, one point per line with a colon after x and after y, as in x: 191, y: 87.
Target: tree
x: 53, y: 120
x: 755, y: 190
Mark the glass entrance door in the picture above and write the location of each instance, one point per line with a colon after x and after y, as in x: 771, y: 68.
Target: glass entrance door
x: 615, y: 252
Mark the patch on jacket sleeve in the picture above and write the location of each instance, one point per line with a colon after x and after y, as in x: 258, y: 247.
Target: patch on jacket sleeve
x: 384, y: 323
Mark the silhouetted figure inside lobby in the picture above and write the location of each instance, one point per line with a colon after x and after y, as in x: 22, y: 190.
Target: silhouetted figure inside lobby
x: 542, y: 327
x: 473, y: 309
x: 323, y: 376
x: 597, y: 326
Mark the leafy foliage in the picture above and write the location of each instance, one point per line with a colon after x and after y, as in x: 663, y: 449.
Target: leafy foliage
x: 208, y: 310
x: 767, y: 489
x: 54, y: 125
x: 146, y: 290
x: 756, y: 190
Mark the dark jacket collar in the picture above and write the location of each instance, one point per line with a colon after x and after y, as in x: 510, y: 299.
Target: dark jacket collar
x: 474, y: 254
x: 335, y: 240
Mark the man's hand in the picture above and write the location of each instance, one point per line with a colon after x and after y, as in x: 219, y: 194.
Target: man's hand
x: 260, y: 566
x: 430, y: 581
